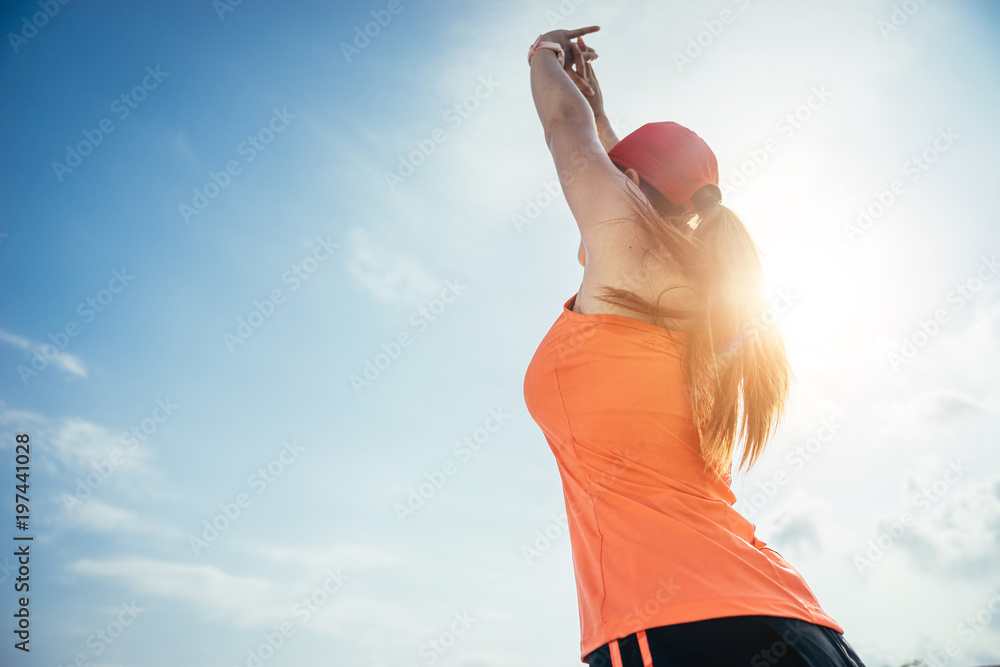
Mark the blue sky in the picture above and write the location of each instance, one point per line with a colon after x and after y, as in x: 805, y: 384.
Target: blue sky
x: 199, y: 366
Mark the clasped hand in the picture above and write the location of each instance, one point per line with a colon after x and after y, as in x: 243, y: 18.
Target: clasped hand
x: 577, y: 55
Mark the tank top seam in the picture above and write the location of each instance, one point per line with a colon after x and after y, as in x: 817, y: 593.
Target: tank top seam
x: 621, y: 320
x: 590, y: 492
x: 662, y: 333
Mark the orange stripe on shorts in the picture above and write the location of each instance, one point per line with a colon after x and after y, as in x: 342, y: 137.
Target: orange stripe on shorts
x: 647, y: 657
x: 616, y: 656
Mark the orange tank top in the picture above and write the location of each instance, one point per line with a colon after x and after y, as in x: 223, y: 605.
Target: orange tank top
x: 654, y: 536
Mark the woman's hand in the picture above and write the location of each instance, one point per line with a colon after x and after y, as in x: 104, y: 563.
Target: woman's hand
x: 574, y: 55
x: 585, y: 77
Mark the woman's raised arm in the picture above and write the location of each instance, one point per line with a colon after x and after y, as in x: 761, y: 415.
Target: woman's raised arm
x: 557, y: 89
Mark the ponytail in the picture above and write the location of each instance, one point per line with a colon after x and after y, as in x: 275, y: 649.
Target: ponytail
x: 736, y: 365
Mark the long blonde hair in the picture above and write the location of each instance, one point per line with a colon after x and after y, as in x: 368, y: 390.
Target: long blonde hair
x: 737, y: 369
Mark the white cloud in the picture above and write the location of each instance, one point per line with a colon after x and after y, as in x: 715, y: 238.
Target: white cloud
x: 67, y: 362
x: 179, y: 141
x: 244, y: 600
x: 256, y: 601
x: 388, y: 274
x: 97, y: 516
x: 76, y: 442
x: 18, y: 417
x: 974, y: 349
x: 946, y: 404
x: 960, y: 535
x: 72, y: 442
x: 912, y: 414
x: 348, y: 556
x: 77, y: 453
x: 795, y: 526
x: 806, y: 524
x: 80, y: 444
x: 15, y: 340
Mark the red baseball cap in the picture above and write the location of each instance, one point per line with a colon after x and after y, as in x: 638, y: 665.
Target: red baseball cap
x: 671, y: 158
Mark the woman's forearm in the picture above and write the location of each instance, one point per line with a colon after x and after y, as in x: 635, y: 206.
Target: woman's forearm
x: 605, y: 133
x: 556, y: 97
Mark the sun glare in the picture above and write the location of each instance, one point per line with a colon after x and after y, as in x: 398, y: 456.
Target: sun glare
x: 832, y: 294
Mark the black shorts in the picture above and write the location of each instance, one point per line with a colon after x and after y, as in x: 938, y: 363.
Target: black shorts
x: 741, y: 641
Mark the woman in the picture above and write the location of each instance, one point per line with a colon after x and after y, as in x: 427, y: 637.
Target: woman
x: 643, y: 387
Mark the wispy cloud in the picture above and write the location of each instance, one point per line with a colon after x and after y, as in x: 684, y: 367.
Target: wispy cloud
x: 85, y: 459
x: 79, y: 443
x: 388, y: 274
x: 180, y: 142
x: 243, y: 600
x: 948, y: 404
x: 803, y: 524
x: 97, y: 516
x: 961, y: 535
x: 349, y: 556
x: 259, y: 601
x: 18, y: 417
x: 65, y: 361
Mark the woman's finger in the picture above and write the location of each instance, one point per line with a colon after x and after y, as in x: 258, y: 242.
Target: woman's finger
x: 580, y: 82
x: 589, y: 53
x: 582, y: 31
x: 581, y: 67
x: 577, y: 56
x: 570, y: 57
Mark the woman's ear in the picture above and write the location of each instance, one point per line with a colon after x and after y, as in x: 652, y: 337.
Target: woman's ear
x: 633, y: 175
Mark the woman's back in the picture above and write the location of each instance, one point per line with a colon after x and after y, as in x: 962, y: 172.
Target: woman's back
x: 641, y: 265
